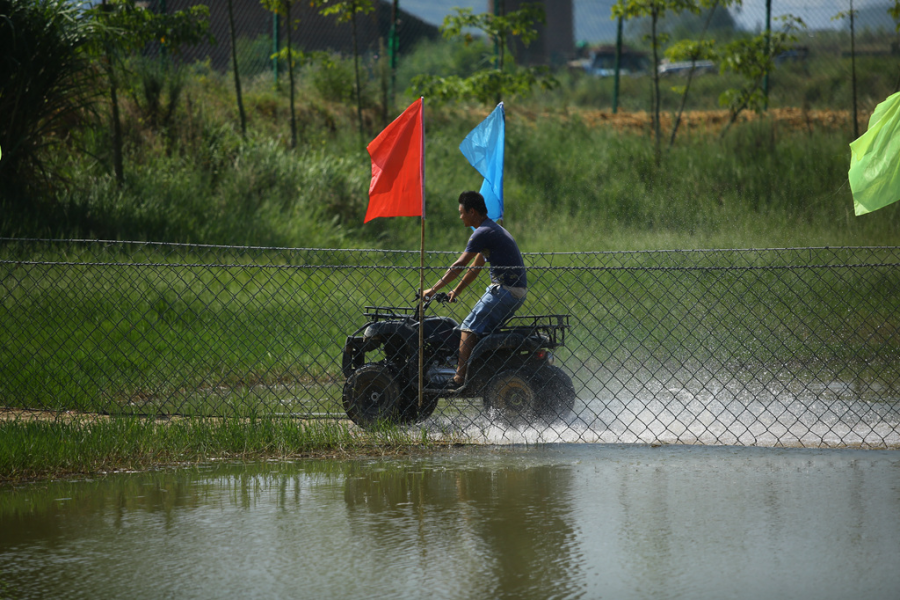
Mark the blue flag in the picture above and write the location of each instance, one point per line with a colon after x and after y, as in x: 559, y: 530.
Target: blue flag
x: 483, y: 148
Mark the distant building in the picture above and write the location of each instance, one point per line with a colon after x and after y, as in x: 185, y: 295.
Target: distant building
x: 555, y: 44
x: 310, y: 30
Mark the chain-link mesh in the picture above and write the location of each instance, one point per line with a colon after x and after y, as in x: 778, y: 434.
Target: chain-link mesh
x: 757, y: 347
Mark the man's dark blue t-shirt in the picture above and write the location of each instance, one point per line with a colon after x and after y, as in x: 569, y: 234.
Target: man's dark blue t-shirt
x: 500, y: 249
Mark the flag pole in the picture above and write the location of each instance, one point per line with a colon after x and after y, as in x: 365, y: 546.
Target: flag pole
x: 422, y: 273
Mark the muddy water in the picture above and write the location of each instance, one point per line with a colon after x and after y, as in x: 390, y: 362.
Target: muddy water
x: 556, y: 521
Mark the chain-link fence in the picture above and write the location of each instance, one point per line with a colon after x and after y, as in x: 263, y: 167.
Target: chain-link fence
x: 758, y: 347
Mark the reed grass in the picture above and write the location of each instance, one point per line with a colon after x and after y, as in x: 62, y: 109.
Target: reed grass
x: 67, y: 445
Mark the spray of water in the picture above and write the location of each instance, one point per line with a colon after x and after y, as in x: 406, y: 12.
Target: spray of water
x: 683, y: 409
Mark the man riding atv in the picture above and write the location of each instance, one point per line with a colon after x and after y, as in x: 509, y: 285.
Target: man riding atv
x: 492, y: 243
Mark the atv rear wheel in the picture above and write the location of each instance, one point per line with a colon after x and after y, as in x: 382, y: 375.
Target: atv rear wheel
x: 372, y: 395
x: 556, y: 393
x: 512, y: 393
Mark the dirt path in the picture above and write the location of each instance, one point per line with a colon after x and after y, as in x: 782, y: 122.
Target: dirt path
x: 709, y: 121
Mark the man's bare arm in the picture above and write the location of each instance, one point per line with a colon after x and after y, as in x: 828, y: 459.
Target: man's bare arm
x: 471, y: 273
x: 455, y: 269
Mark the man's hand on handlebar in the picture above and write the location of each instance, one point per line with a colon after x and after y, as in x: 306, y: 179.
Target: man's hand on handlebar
x: 441, y: 297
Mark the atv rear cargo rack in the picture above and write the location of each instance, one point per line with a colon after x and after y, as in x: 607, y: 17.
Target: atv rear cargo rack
x: 552, y: 326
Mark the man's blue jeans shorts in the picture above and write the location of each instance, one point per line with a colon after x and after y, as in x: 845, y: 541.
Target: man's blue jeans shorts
x: 491, y: 311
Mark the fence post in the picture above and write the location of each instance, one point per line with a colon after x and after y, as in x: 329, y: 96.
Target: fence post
x: 615, y: 107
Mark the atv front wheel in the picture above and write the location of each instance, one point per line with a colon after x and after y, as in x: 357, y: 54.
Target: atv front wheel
x: 372, y: 395
x: 411, y: 412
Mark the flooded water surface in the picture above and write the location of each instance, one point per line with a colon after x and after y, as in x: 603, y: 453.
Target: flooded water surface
x: 553, y: 521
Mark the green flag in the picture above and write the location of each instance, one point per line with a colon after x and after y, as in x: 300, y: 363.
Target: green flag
x: 875, y: 164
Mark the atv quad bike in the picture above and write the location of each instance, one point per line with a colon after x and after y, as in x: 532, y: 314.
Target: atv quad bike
x: 511, y: 369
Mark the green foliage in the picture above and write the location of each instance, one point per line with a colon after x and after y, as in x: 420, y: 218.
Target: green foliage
x: 344, y: 10
x: 443, y: 58
x: 332, y: 78
x: 124, y: 28
x: 489, y: 85
x: 46, y: 80
x: 752, y: 59
x: 686, y: 50
x: 484, y: 86
x: 160, y: 85
x: 498, y: 28
x: 655, y: 9
x: 254, y: 55
x: 127, y: 27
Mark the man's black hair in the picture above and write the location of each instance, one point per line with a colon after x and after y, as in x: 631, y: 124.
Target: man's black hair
x: 470, y: 200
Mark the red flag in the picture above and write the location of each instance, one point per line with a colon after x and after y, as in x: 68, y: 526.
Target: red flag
x: 398, y: 167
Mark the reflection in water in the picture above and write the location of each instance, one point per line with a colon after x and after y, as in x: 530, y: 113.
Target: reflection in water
x: 509, y: 525
x: 553, y: 521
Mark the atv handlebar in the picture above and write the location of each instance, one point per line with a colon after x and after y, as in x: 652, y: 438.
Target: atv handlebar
x: 439, y: 297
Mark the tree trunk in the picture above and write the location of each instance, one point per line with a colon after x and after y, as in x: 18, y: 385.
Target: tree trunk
x: 237, y: 76
x: 356, y: 70
x: 656, y: 103
x: 291, y: 75
x: 853, y: 71
x: 118, y: 162
x: 690, y: 78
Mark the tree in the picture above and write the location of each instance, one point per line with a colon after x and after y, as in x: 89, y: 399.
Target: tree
x: 123, y: 28
x: 46, y: 81
x: 283, y: 8
x: 752, y: 59
x: 654, y: 10
x: 237, y: 75
x: 851, y: 14
x: 346, y: 11
x: 700, y: 49
x: 492, y: 84
x: 683, y: 51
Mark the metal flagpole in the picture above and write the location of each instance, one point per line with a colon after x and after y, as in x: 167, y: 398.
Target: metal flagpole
x: 422, y: 271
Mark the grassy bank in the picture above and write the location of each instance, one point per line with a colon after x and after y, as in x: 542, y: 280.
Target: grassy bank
x: 32, y: 447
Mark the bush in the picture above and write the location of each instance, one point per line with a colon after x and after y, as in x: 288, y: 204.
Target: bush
x: 46, y: 80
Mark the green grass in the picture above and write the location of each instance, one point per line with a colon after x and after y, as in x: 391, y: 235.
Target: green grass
x: 31, y: 449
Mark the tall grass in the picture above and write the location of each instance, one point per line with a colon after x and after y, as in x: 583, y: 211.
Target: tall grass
x: 572, y: 182
x: 569, y: 186
x: 54, y: 448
